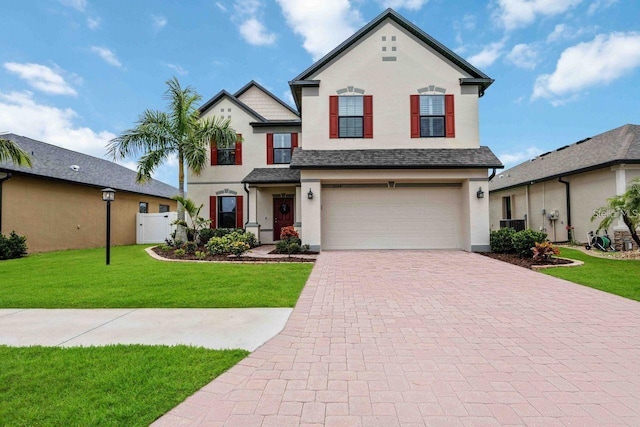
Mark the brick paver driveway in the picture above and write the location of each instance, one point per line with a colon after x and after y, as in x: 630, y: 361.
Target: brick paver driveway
x: 435, y: 338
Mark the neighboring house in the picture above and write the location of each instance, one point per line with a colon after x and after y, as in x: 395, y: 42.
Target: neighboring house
x: 562, y: 188
x: 383, y: 152
x: 58, y: 204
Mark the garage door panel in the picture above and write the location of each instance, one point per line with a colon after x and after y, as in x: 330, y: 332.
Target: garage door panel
x: 394, y: 218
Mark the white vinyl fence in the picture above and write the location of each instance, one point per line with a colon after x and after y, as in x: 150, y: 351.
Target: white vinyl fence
x: 155, y: 227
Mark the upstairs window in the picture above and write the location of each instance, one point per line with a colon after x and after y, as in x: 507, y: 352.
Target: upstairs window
x: 280, y: 147
x: 231, y: 155
x: 351, y: 116
x: 432, y: 116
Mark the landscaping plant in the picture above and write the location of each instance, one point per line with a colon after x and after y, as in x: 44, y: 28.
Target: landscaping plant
x: 625, y: 206
x: 544, y: 251
x: 13, y: 246
x: 196, y: 221
x: 289, y: 241
x: 502, y: 240
x: 524, y: 240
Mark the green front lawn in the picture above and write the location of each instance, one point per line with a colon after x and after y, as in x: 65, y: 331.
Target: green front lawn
x: 619, y: 277
x: 80, y: 279
x: 106, y: 386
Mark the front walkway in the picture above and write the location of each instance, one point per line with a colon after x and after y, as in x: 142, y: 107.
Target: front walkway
x: 214, y: 328
x: 384, y: 338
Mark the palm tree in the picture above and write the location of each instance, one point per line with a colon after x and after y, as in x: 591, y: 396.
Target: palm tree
x: 625, y: 206
x: 178, y: 131
x: 11, y: 152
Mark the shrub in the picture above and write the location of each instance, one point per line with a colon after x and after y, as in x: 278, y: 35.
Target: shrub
x: 179, y: 252
x: 221, y: 232
x: 238, y: 248
x: 205, y: 234
x: 502, y: 240
x: 166, y: 248
x: 190, y: 247
x: 13, y: 246
x: 544, y: 250
x: 525, y: 240
x: 288, y: 232
x: 225, y: 244
x: 200, y: 255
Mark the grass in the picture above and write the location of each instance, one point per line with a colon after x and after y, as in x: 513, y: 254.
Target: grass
x: 102, y: 386
x: 619, y: 277
x: 80, y: 279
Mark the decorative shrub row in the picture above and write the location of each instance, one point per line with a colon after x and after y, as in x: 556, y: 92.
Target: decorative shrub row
x: 13, y: 246
x: 507, y: 241
x: 235, y: 242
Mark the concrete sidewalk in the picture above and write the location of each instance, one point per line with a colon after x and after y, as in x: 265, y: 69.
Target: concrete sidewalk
x: 246, y: 328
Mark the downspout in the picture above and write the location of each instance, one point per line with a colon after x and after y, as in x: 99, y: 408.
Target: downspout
x: 246, y: 190
x: 568, y: 190
x: 6, y: 178
x: 493, y: 174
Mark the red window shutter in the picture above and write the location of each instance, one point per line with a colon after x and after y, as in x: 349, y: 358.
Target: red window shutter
x: 269, y: 148
x: 214, y: 153
x: 333, y: 116
x: 368, y: 116
x: 294, y: 140
x: 239, y: 149
x: 449, y: 117
x: 415, y: 116
x: 213, y: 210
x: 239, y: 215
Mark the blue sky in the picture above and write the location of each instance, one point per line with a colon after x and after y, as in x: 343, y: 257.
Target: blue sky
x: 75, y: 73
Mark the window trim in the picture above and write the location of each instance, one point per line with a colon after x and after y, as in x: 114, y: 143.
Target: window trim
x: 334, y: 117
x: 449, y: 120
x: 271, y: 149
x: 428, y: 116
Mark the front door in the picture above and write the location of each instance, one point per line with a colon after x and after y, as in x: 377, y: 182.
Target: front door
x: 282, y: 215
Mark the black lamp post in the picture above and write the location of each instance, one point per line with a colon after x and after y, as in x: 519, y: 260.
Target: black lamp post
x: 108, y: 195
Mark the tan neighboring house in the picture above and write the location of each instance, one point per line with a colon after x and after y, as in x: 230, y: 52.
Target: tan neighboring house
x: 382, y: 152
x: 562, y: 188
x: 58, y: 204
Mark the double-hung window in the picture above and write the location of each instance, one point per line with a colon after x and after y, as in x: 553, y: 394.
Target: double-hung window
x: 351, y: 116
x: 227, y: 212
x: 432, y: 116
x: 231, y: 155
x: 280, y: 147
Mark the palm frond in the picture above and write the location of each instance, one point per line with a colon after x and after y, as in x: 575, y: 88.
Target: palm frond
x: 217, y: 129
x: 149, y: 162
x: 11, y: 152
x: 152, y: 132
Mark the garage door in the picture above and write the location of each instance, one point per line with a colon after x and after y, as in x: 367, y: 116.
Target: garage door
x: 391, y: 218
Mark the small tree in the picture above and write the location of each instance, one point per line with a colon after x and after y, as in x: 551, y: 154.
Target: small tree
x: 197, y: 222
x: 625, y: 206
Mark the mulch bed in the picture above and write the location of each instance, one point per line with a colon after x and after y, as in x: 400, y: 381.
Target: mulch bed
x: 525, y: 262
x: 192, y: 257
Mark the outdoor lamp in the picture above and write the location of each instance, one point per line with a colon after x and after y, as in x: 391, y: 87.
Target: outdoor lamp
x: 108, y: 195
x: 480, y: 193
x: 310, y: 194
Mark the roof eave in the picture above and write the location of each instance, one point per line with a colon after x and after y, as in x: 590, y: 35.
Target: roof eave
x: 223, y: 93
x: 475, y: 166
x: 482, y: 83
x: 278, y: 123
x: 296, y: 90
x: 265, y: 90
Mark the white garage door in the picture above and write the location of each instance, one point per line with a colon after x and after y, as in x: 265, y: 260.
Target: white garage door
x: 391, y: 218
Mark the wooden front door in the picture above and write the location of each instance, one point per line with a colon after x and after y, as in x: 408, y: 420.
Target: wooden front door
x: 282, y: 215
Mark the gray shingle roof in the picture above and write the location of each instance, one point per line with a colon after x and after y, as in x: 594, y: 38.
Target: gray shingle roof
x: 619, y: 145
x: 427, y: 158
x: 51, y: 161
x: 272, y: 175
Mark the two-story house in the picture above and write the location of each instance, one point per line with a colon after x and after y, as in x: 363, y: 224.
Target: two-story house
x: 383, y: 152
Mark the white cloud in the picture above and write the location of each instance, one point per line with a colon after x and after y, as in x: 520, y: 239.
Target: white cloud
x: 565, y: 32
x: 22, y: 115
x: 255, y: 33
x: 600, y: 5
x: 79, y: 5
x: 107, y: 55
x: 523, y: 56
x: 177, y: 68
x: 520, y: 13
x: 600, y: 61
x: 323, y: 24
x: 559, y: 32
x: 519, y: 156
x: 159, y: 22
x: 221, y: 6
x: 488, y: 55
x: 400, y: 4
x: 93, y: 23
x: 41, y: 77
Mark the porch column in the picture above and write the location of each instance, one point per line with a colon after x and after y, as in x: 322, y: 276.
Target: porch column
x: 311, y: 210
x: 297, y: 212
x: 252, y: 213
x: 477, y: 214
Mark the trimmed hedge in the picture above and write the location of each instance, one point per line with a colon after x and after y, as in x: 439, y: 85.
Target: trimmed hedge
x: 508, y: 241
